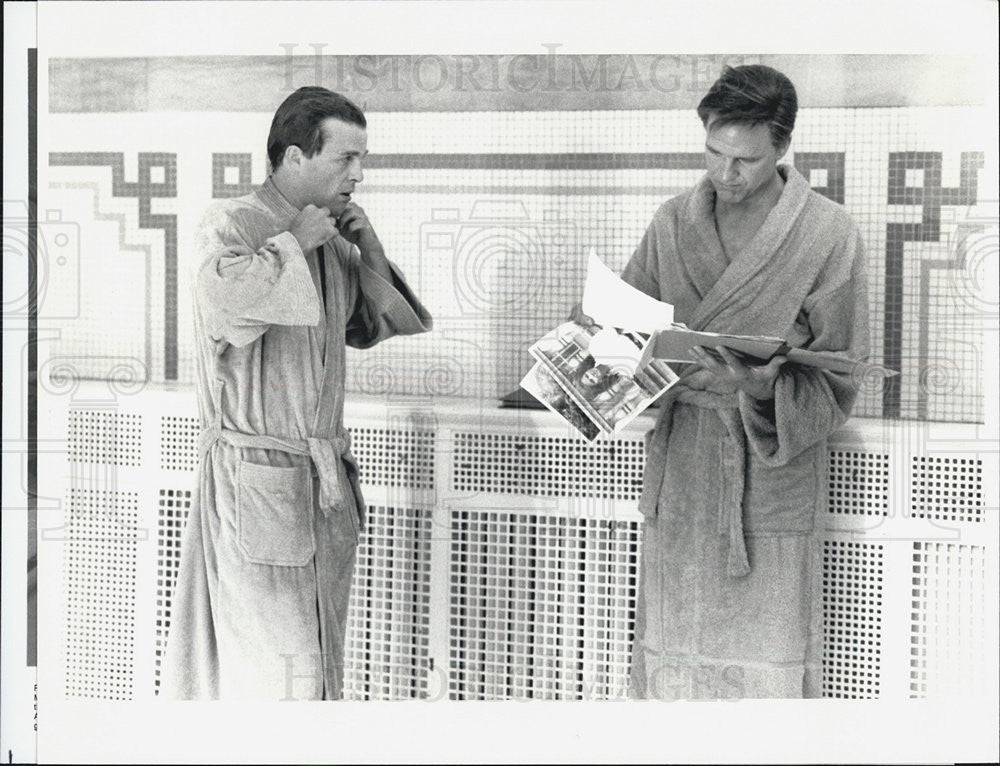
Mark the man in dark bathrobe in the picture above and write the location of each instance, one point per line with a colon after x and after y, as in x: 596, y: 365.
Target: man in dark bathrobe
x: 735, y: 477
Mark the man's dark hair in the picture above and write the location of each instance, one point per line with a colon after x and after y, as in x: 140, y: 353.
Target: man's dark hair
x: 299, y: 119
x: 752, y: 94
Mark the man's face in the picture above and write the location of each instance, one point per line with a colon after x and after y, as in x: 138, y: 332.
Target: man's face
x: 741, y: 159
x: 327, y: 179
x: 593, y: 376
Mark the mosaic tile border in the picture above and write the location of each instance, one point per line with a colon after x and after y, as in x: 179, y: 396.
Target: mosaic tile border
x: 157, y: 178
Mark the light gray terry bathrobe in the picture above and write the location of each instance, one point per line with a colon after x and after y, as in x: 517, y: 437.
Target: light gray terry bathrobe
x: 267, y: 557
x: 729, y: 603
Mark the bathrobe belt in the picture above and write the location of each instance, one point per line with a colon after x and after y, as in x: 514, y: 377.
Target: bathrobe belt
x: 328, y: 456
x: 730, y: 512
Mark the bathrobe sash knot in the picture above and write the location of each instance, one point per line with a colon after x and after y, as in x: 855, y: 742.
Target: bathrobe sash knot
x: 328, y: 456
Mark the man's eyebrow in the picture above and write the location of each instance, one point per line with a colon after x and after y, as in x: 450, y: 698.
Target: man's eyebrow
x: 749, y: 158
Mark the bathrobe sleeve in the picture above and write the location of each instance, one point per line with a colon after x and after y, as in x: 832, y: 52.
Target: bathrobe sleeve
x: 241, y: 291
x: 810, y: 403
x: 379, y: 309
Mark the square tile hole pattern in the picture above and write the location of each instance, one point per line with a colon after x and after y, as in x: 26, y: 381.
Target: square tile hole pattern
x: 852, y: 618
x: 858, y: 483
x: 110, y: 438
x: 547, y: 466
x: 948, y: 651
x: 947, y: 488
x: 100, y: 590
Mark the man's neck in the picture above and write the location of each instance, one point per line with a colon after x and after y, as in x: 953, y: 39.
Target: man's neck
x: 282, y: 185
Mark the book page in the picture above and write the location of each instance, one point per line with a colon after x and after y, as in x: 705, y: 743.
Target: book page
x: 612, y: 302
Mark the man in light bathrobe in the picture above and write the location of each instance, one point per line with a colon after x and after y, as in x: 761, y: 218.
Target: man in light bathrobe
x: 735, y: 476
x: 286, y: 276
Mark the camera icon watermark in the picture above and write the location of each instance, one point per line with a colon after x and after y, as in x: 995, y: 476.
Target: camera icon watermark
x: 975, y: 248
x: 52, y: 249
x: 502, y: 260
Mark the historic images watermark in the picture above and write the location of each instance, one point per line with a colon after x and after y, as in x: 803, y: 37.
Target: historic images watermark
x: 500, y: 256
x: 90, y: 389
x: 52, y: 250
x: 529, y: 681
x: 547, y: 72
x: 933, y: 484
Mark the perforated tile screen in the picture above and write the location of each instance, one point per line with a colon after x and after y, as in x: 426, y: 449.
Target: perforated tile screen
x: 100, y: 592
x: 110, y: 438
x: 394, y: 458
x: 547, y: 466
x: 172, y: 514
x: 179, y: 442
x: 947, y: 488
x: 541, y: 607
x: 948, y: 631
x: 858, y: 483
x: 386, y: 655
x: 852, y: 618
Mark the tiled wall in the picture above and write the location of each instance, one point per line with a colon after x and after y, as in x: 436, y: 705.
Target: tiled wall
x: 491, y: 213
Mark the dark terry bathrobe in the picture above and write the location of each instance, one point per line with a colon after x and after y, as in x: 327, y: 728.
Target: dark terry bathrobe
x: 260, y: 607
x: 729, y: 600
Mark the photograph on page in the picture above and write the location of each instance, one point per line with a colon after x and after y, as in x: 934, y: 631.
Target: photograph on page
x: 595, y: 395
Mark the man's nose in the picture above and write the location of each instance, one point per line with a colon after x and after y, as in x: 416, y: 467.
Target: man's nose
x: 357, y: 173
x: 729, y: 170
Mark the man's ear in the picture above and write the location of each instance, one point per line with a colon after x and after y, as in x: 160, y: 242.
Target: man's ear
x: 782, y: 148
x: 293, y: 156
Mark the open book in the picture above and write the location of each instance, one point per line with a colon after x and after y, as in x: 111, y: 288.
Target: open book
x: 675, y: 343
x: 610, y: 301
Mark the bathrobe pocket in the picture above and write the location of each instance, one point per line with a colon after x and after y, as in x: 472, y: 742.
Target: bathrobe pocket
x: 274, y: 514
x: 780, y: 498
